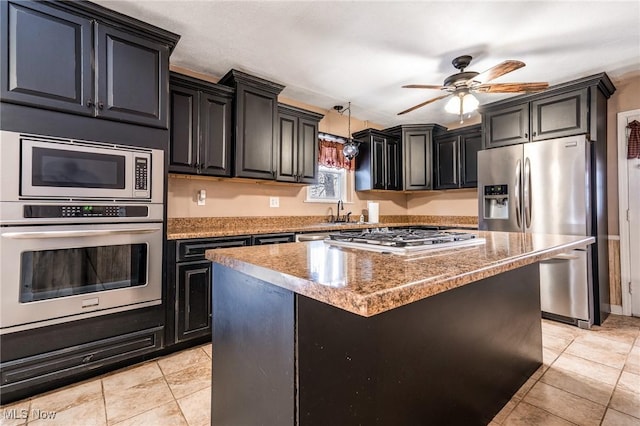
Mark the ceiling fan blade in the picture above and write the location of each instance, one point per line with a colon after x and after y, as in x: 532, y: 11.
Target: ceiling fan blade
x: 423, y: 104
x: 423, y: 86
x: 498, y: 70
x: 512, y: 87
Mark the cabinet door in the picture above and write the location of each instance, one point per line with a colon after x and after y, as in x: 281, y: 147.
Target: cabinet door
x: 46, y: 58
x: 215, y: 135
x: 378, y: 162
x: 193, y: 300
x: 559, y: 116
x: 183, y: 126
x: 307, y: 151
x: 132, y: 77
x: 287, y: 148
x: 256, y: 133
x: 417, y: 160
x: 507, y: 126
x: 469, y: 147
x: 446, y: 163
x: 393, y: 165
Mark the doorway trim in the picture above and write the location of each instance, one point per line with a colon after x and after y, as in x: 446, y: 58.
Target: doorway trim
x: 623, y: 203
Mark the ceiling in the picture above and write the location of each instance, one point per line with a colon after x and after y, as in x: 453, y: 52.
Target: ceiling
x: 329, y: 53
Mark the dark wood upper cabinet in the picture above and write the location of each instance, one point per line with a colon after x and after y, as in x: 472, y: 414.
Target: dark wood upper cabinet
x: 46, y: 57
x: 566, y: 109
x: 560, y: 115
x: 183, y: 127
x: 50, y: 61
x: 200, y: 127
x: 215, y: 133
x: 446, y: 160
x: 132, y: 77
x: 379, y: 163
x: 393, y: 172
x: 507, y: 126
x: 297, y: 145
x: 255, y: 118
x: 470, y: 144
x: 456, y: 157
x: 416, y: 146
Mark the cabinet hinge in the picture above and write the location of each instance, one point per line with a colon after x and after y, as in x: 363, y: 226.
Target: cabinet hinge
x: 630, y: 288
x: 628, y: 215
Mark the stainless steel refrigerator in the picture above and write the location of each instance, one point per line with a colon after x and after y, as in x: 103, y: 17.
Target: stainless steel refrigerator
x: 546, y: 187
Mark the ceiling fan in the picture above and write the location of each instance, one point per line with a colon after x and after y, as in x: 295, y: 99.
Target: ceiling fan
x: 462, y: 84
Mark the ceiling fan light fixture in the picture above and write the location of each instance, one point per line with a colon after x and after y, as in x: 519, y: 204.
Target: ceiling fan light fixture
x: 469, y: 104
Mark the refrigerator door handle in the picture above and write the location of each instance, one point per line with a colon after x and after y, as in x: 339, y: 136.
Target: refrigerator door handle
x: 517, y: 195
x: 527, y: 193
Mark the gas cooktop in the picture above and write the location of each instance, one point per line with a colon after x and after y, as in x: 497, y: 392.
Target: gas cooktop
x: 402, y: 240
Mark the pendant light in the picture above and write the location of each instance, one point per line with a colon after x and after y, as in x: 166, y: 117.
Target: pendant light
x: 350, y: 148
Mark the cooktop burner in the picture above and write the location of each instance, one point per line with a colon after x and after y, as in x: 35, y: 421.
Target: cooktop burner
x: 401, y: 237
x: 402, y: 240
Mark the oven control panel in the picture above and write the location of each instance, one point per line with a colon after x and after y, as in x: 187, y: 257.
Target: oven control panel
x: 56, y: 211
x: 141, y: 174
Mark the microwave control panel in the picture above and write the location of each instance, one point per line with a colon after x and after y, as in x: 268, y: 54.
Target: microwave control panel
x: 141, y: 173
x: 56, y: 211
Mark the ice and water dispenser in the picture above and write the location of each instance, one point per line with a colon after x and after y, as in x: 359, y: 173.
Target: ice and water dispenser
x: 496, y: 202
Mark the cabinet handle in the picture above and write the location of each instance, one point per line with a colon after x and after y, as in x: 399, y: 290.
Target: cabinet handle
x: 526, y: 135
x: 100, y: 105
x: 90, y: 103
x: 87, y: 359
x: 535, y: 134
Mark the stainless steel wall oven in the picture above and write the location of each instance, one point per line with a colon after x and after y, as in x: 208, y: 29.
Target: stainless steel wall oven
x: 80, y: 229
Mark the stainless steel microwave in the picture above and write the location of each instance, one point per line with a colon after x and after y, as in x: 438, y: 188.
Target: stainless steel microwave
x: 55, y: 168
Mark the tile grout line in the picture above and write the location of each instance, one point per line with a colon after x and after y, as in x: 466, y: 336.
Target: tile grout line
x: 104, y: 401
x: 175, y: 400
x: 539, y: 380
x: 536, y: 382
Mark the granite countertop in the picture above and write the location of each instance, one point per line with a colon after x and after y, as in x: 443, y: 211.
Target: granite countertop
x: 368, y: 283
x: 185, y: 228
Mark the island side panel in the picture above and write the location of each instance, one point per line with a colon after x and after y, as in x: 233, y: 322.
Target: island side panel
x: 454, y: 358
x: 253, y: 374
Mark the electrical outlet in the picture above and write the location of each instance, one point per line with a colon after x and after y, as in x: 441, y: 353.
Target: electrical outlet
x: 201, y: 197
x: 274, y: 201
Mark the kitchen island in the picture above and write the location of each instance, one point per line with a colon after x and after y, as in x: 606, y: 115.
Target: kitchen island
x: 309, y: 334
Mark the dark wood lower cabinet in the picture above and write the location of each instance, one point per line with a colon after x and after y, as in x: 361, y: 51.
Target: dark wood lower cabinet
x: 188, y: 307
x: 193, y: 302
x: 45, y: 358
x: 454, y: 358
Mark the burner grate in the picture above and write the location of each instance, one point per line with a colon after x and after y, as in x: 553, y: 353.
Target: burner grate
x: 402, y: 237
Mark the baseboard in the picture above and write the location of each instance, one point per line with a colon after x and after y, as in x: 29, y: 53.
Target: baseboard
x: 616, y: 309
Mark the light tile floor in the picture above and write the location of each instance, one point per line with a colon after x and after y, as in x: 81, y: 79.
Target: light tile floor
x: 588, y: 378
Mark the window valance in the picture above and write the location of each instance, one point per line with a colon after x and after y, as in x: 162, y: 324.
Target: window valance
x: 330, y: 152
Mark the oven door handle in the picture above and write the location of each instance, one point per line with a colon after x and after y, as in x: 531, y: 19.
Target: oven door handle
x: 73, y: 234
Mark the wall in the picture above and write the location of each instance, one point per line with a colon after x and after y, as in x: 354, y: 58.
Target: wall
x: 626, y: 97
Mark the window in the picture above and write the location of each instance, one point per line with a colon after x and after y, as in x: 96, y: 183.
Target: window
x: 331, y: 186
